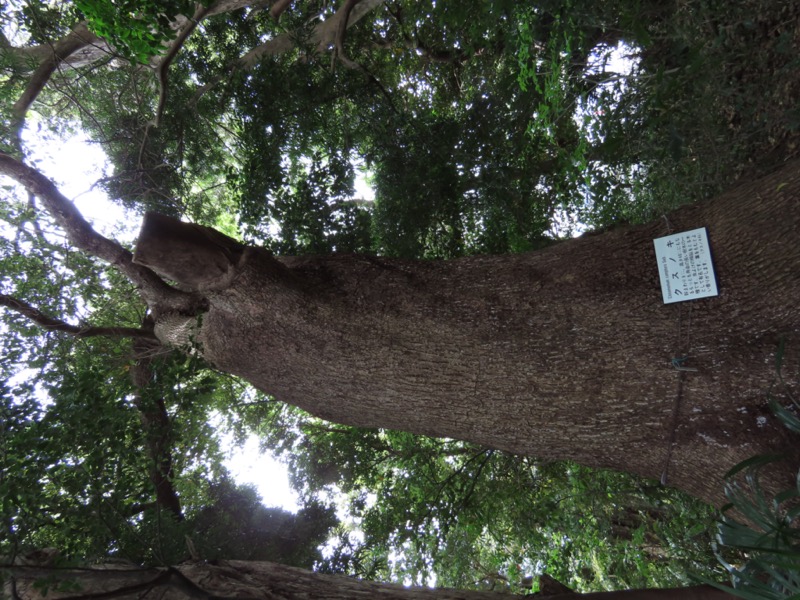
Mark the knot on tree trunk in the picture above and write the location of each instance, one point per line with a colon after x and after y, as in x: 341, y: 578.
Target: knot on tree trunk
x: 177, y: 330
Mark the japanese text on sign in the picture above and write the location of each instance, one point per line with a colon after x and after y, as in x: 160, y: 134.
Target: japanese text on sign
x: 684, y: 266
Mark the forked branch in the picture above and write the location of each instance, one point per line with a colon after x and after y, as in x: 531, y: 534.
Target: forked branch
x: 155, y: 290
x: 340, y: 34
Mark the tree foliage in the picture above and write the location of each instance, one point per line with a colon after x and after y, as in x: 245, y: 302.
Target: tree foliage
x: 138, y: 30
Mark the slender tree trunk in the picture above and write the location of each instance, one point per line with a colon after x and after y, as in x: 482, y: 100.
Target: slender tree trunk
x: 564, y: 353
x: 156, y: 424
x: 267, y: 581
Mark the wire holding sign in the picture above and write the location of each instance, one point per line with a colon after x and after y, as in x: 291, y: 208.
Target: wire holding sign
x: 685, y: 267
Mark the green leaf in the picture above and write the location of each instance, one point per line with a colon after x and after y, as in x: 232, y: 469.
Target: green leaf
x: 753, y: 463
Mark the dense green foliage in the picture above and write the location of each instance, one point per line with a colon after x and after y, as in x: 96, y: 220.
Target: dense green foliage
x: 482, y: 127
x: 138, y: 29
x: 465, y: 516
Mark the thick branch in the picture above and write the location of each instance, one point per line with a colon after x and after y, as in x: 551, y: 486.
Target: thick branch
x: 322, y: 37
x: 51, y: 324
x: 96, y: 48
x: 155, y: 291
x: 25, y: 59
x: 223, y: 6
x: 79, y: 37
x: 340, y: 54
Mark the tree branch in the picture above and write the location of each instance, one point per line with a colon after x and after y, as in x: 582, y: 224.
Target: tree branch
x: 155, y: 290
x: 325, y: 33
x: 164, y: 63
x: 156, y: 424
x: 339, y: 52
x: 93, y: 50
x: 52, y: 324
x: 278, y: 8
x: 79, y: 37
x: 322, y: 37
x: 414, y: 43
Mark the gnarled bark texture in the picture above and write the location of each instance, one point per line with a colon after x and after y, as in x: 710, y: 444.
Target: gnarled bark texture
x: 268, y: 581
x: 560, y: 354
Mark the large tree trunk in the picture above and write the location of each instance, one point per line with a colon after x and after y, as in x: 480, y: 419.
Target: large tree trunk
x: 564, y: 353
x: 265, y: 581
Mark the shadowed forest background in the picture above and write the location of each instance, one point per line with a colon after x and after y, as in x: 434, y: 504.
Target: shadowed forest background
x: 483, y: 128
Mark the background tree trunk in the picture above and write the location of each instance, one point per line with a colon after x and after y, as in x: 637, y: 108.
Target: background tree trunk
x: 267, y: 581
x: 559, y: 354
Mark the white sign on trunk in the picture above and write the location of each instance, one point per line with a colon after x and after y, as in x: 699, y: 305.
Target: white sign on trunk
x: 685, y: 267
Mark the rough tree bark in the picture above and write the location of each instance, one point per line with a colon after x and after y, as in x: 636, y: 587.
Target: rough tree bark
x: 269, y: 581
x: 561, y: 354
